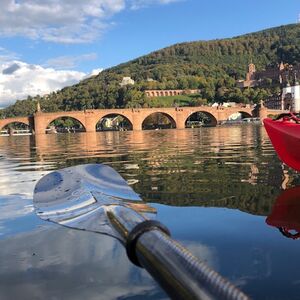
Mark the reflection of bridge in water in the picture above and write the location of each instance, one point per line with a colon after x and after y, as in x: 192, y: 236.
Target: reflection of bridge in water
x: 9, y: 131
x: 144, y: 151
x: 178, y: 116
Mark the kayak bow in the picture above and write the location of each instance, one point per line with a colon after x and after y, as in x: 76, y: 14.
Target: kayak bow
x: 285, y: 137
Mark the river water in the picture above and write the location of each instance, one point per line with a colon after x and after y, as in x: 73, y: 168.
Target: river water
x: 218, y: 190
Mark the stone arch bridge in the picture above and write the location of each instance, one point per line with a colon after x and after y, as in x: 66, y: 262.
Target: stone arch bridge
x: 89, y: 118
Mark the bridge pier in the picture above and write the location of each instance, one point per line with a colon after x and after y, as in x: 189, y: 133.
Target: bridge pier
x: 137, y: 120
x: 221, y: 116
x: 39, y: 123
x: 90, y: 122
x: 180, y: 119
x: 263, y: 113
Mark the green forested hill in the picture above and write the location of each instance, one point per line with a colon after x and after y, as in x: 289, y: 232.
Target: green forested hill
x: 211, y: 66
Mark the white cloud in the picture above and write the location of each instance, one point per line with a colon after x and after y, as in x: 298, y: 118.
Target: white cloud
x: 69, y: 62
x: 63, y: 21
x: 95, y: 72
x: 137, y: 4
x: 19, y: 79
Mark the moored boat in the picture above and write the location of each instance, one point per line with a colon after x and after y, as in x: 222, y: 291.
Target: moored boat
x: 284, y: 134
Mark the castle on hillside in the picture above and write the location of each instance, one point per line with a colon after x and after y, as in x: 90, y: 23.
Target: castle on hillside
x: 283, y: 73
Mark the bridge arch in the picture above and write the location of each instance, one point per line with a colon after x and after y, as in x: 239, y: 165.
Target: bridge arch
x: 200, y: 118
x: 114, y: 121
x: 64, y: 123
x: 245, y: 114
x: 6, y: 122
x: 158, y: 120
x: 15, y: 126
x: 16, y: 123
x: 239, y: 115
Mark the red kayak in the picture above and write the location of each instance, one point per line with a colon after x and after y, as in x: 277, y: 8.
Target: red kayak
x: 284, y: 134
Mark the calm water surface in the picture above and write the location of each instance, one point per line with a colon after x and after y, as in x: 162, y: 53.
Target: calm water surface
x: 213, y: 187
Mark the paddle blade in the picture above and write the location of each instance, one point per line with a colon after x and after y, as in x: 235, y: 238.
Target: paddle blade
x: 77, y: 197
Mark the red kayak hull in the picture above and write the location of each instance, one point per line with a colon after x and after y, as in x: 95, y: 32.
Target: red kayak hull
x: 285, y: 137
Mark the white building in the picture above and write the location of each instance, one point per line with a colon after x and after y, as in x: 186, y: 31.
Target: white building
x: 293, y: 93
x: 127, y: 81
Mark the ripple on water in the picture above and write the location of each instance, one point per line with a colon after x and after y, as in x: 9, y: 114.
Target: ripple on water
x: 213, y: 187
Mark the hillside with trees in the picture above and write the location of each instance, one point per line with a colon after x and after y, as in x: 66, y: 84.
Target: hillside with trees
x: 210, y: 66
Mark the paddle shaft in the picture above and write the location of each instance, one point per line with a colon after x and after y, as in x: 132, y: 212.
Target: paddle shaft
x: 180, y: 273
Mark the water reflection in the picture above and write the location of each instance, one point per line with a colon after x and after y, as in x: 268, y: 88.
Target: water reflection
x: 14, y: 215
x: 206, y: 166
x: 44, y: 261
x: 213, y: 188
x: 285, y: 213
x: 90, y: 144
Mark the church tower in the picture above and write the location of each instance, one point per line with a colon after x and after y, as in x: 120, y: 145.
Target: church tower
x: 251, y: 72
x: 38, y: 107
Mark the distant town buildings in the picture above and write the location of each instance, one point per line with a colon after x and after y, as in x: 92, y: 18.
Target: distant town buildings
x: 288, y: 99
x: 291, y: 97
x: 283, y: 73
x: 127, y: 81
x: 165, y: 93
x: 273, y: 102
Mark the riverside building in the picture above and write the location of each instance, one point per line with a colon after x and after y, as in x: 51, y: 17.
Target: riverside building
x: 288, y: 99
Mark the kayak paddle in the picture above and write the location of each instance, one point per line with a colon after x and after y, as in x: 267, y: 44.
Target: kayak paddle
x: 96, y: 198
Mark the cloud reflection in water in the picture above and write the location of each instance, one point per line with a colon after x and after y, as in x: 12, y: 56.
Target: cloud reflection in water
x: 45, y: 261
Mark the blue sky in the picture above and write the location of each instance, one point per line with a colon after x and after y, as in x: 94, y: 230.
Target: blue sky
x: 47, y: 44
